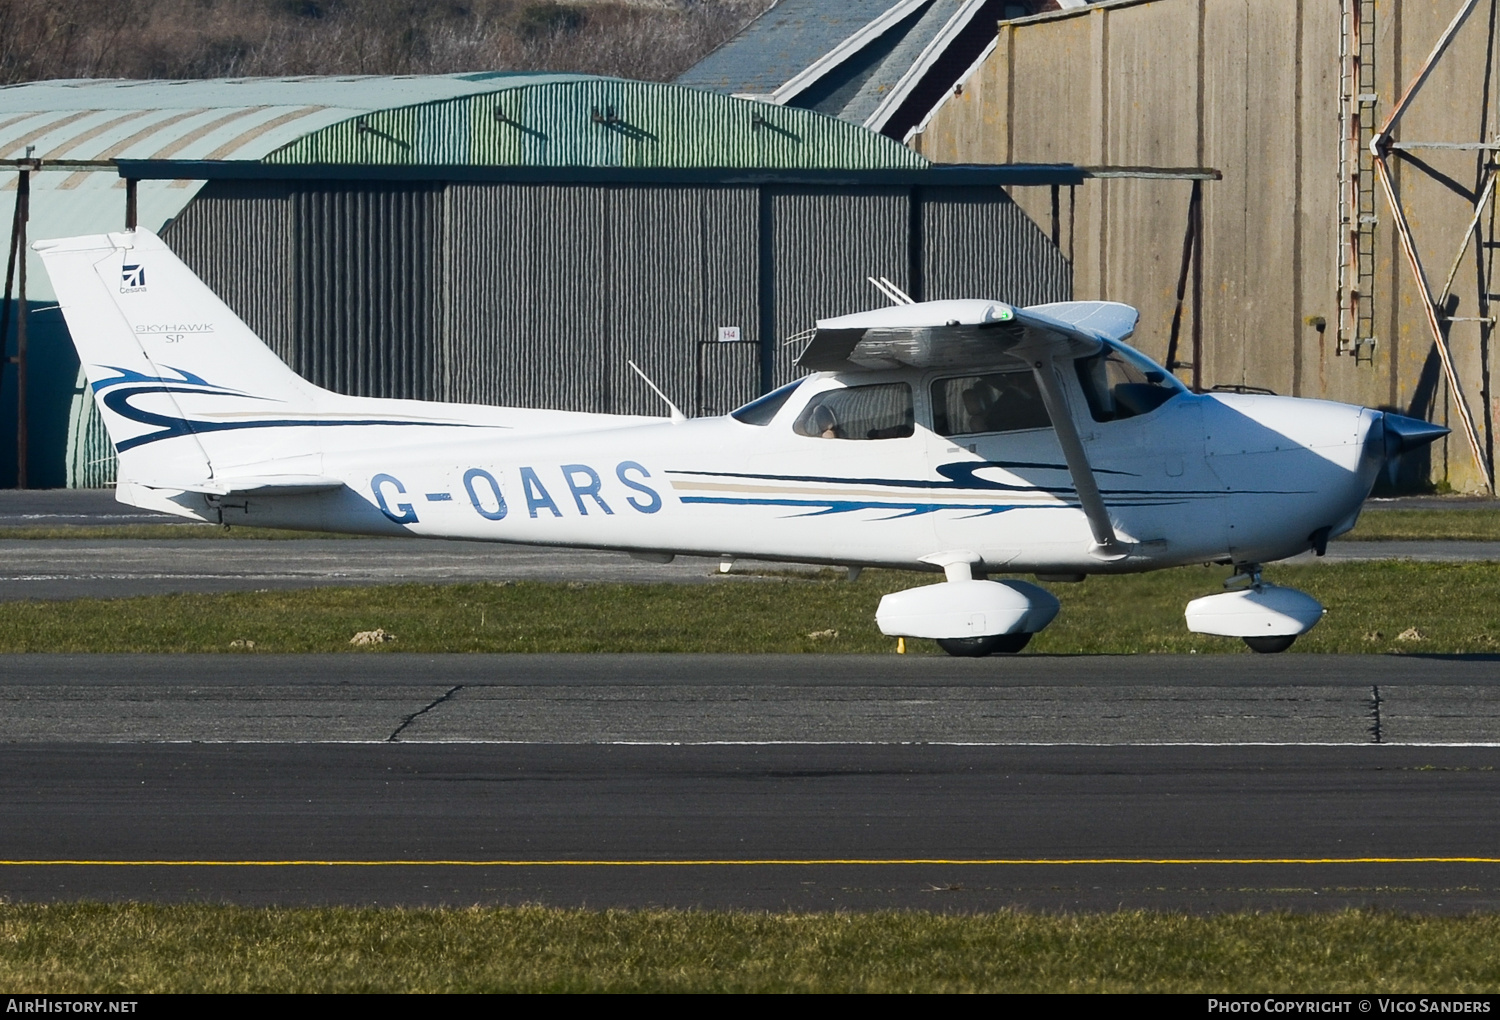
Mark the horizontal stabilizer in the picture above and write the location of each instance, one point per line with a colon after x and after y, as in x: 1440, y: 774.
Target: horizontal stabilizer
x: 262, y: 485
x: 942, y: 334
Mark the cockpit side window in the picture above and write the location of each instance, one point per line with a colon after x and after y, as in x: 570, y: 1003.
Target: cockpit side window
x: 882, y: 411
x: 1000, y: 402
x: 1120, y: 384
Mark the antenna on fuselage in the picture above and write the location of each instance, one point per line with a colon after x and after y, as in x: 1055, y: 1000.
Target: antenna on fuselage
x: 893, y: 293
x: 676, y: 415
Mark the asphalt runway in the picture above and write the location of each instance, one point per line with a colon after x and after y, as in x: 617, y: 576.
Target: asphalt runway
x: 773, y: 782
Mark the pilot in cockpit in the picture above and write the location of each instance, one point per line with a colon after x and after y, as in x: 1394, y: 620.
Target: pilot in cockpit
x: 980, y: 401
x: 824, y: 424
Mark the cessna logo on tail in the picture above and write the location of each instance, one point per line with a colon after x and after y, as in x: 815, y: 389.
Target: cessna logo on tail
x: 132, y: 279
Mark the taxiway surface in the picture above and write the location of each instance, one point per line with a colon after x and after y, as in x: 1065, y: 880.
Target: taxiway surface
x: 775, y: 782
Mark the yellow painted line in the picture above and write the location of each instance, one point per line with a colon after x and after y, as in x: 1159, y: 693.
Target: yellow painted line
x: 787, y: 862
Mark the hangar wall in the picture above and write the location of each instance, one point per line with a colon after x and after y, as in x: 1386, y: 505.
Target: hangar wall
x: 536, y: 295
x: 1253, y: 88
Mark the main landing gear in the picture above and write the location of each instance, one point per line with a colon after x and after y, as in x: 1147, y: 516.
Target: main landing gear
x: 966, y: 616
x: 978, y: 647
x: 1266, y: 617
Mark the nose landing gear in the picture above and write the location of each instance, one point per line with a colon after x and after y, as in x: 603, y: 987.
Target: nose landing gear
x: 1266, y: 617
x: 1270, y: 645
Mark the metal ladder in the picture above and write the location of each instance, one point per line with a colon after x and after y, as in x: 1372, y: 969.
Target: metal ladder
x: 1356, y: 206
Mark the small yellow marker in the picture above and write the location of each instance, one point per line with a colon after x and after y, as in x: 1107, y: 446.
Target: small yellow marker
x: 901, y: 646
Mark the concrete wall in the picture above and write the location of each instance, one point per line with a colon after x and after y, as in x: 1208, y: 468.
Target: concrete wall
x: 1250, y: 87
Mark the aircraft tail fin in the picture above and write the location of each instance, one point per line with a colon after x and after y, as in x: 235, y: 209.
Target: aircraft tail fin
x: 166, y: 359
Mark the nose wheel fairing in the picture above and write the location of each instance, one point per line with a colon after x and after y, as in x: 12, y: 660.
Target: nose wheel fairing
x: 1261, y: 611
x: 1267, y: 617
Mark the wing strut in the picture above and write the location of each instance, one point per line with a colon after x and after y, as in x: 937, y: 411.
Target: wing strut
x: 1107, y: 545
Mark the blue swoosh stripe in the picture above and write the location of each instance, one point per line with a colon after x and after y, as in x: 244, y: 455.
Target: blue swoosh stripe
x: 169, y: 427
x: 960, y: 478
x: 119, y: 402
x: 914, y: 509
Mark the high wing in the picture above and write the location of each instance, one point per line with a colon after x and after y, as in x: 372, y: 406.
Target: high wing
x: 963, y: 334
x: 1109, y: 319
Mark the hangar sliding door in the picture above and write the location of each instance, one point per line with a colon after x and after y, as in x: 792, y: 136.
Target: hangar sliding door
x: 364, y: 287
x: 524, y: 299
x: 236, y: 235
x: 339, y: 279
x: 552, y: 289
x: 818, y: 247
x: 681, y: 263
x: 977, y: 243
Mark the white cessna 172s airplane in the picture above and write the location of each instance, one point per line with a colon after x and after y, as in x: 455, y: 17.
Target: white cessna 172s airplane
x: 967, y: 437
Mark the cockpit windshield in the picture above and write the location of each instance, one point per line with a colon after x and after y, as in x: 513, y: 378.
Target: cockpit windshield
x: 763, y: 408
x: 1120, y: 383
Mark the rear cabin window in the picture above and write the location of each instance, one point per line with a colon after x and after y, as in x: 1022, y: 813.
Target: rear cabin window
x: 1002, y: 402
x: 1118, y: 385
x: 859, y: 412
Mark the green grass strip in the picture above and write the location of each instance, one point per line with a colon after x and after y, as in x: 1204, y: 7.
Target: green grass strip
x: 1420, y: 525
x: 139, y: 948
x: 1372, y: 607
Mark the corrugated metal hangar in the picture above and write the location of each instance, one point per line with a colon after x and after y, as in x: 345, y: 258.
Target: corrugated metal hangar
x: 498, y: 238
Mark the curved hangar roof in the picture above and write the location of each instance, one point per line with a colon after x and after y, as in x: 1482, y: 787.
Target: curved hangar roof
x: 490, y: 119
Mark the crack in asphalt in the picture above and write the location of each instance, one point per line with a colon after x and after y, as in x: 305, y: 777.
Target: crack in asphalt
x: 420, y: 712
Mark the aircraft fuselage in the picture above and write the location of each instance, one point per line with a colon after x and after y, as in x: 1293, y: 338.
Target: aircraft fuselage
x: 1202, y: 477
